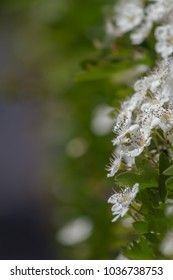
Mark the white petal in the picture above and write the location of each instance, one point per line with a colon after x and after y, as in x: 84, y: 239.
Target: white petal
x: 135, y: 189
x: 116, y: 218
x: 113, y: 198
x: 116, y: 207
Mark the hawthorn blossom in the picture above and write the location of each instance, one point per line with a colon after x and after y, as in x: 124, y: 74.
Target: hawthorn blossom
x: 166, y: 247
x: 164, y: 37
x: 122, y: 123
x: 129, y: 14
x: 139, y: 18
x: 158, y: 10
x: 139, y: 35
x: 159, y: 114
x: 136, y: 140
x: 121, y: 201
x: 150, y: 109
x: 115, y: 164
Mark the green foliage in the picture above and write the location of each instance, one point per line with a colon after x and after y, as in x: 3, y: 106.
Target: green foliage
x: 140, y: 250
x: 145, y: 174
x: 61, y: 50
x: 114, y: 66
x: 141, y: 227
x: 169, y: 171
x: 151, y: 221
x: 169, y: 185
x: 163, y: 164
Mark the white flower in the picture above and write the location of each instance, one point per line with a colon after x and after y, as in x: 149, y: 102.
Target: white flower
x: 128, y: 161
x: 122, y: 123
x: 151, y: 107
x: 75, y: 231
x: 136, y: 140
x: 132, y: 103
x: 163, y: 117
x: 101, y: 122
x: 166, y: 246
x: 118, y: 161
x: 140, y: 19
x: 141, y: 86
x: 159, y: 113
x: 129, y: 14
x: 159, y: 76
x: 138, y: 36
x: 156, y: 84
x: 124, y: 119
x: 164, y: 37
x: 121, y: 201
x: 115, y: 164
x: 167, y: 91
x: 159, y: 11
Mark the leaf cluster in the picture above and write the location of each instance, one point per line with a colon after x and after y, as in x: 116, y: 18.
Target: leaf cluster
x: 152, y: 222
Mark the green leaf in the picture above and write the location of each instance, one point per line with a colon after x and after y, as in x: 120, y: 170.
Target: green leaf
x: 169, y: 182
x: 146, y: 175
x: 140, y: 250
x: 150, y: 199
x: 141, y: 227
x: 163, y: 164
x: 155, y: 219
x: 169, y: 186
x: 109, y: 70
x: 127, y: 179
x: 169, y: 171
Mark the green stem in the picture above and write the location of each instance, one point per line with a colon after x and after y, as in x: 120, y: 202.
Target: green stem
x: 151, y: 158
x: 162, y: 139
x: 134, y: 218
x: 160, y: 136
x: 156, y: 143
x: 136, y: 210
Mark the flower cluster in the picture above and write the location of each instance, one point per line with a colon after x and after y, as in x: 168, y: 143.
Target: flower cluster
x: 139, y: 17
x: 146, y: 114
x: 121, y: 201
x: 145, y: 118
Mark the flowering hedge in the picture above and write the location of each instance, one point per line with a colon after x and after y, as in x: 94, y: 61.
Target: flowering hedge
x: 139, y: 39
x: 143, y: 154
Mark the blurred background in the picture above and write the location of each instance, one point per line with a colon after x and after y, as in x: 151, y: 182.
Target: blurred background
x: 55, y: 125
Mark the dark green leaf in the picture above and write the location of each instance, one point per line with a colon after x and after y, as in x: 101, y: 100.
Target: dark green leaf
x: 169, y: 185
x: 140, y: 250
x: 146, y: 175
x: 163, y: 164
x: 169, y: 171
x: 141, y: 227
x: 108, y: 70
x: 150, y: 200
